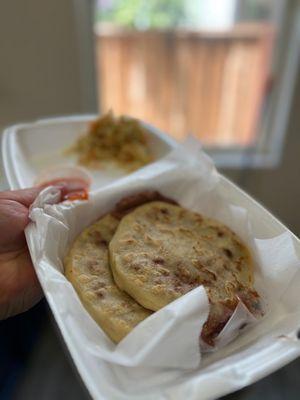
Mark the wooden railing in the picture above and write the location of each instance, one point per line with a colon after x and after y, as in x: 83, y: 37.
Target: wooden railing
x: 211, y: 85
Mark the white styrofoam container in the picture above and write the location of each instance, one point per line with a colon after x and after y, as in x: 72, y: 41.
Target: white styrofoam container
x: 248, y: 360
x: 272, y: 343
x: 31, y: 148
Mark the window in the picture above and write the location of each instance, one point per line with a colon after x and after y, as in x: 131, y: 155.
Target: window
x: 213, y: 68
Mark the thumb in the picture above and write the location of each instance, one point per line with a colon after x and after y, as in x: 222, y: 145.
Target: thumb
x: 23, y: 196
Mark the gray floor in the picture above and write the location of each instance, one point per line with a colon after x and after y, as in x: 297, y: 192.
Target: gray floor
x: 50, y: 375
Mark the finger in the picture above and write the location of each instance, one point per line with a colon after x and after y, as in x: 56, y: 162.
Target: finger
x: 13, y: 220
x: 22, y: 196
x: 19, y: 286
x: 27, y: 196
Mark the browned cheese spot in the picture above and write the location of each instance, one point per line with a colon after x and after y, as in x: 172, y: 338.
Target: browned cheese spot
x: 228, y: 253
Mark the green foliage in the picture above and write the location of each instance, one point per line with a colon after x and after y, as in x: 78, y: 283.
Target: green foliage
x: 147, y: 14
x: 143, y: 14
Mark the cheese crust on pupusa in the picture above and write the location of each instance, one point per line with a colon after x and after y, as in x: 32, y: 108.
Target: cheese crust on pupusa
x: 161, y: 251
x: 87, y: 268
x: 149, y: 251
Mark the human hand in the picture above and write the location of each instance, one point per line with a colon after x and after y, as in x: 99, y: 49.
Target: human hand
x: 19, y: 286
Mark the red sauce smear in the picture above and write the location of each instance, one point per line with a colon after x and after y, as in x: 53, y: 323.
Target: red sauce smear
x: 78, y: 195
x: 71, y: 188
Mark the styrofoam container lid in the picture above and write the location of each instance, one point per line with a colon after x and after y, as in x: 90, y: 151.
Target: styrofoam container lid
x: 34, y: 152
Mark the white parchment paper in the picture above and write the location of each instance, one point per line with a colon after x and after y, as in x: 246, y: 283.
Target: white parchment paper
x: 161, y: 355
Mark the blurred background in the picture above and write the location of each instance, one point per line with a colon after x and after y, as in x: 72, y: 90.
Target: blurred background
x: 225, y: 71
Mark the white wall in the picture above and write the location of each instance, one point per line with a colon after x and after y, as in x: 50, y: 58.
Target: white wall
x: 39, y: 60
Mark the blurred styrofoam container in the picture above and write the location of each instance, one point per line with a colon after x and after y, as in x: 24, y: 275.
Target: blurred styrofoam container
x: 35, y: 150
